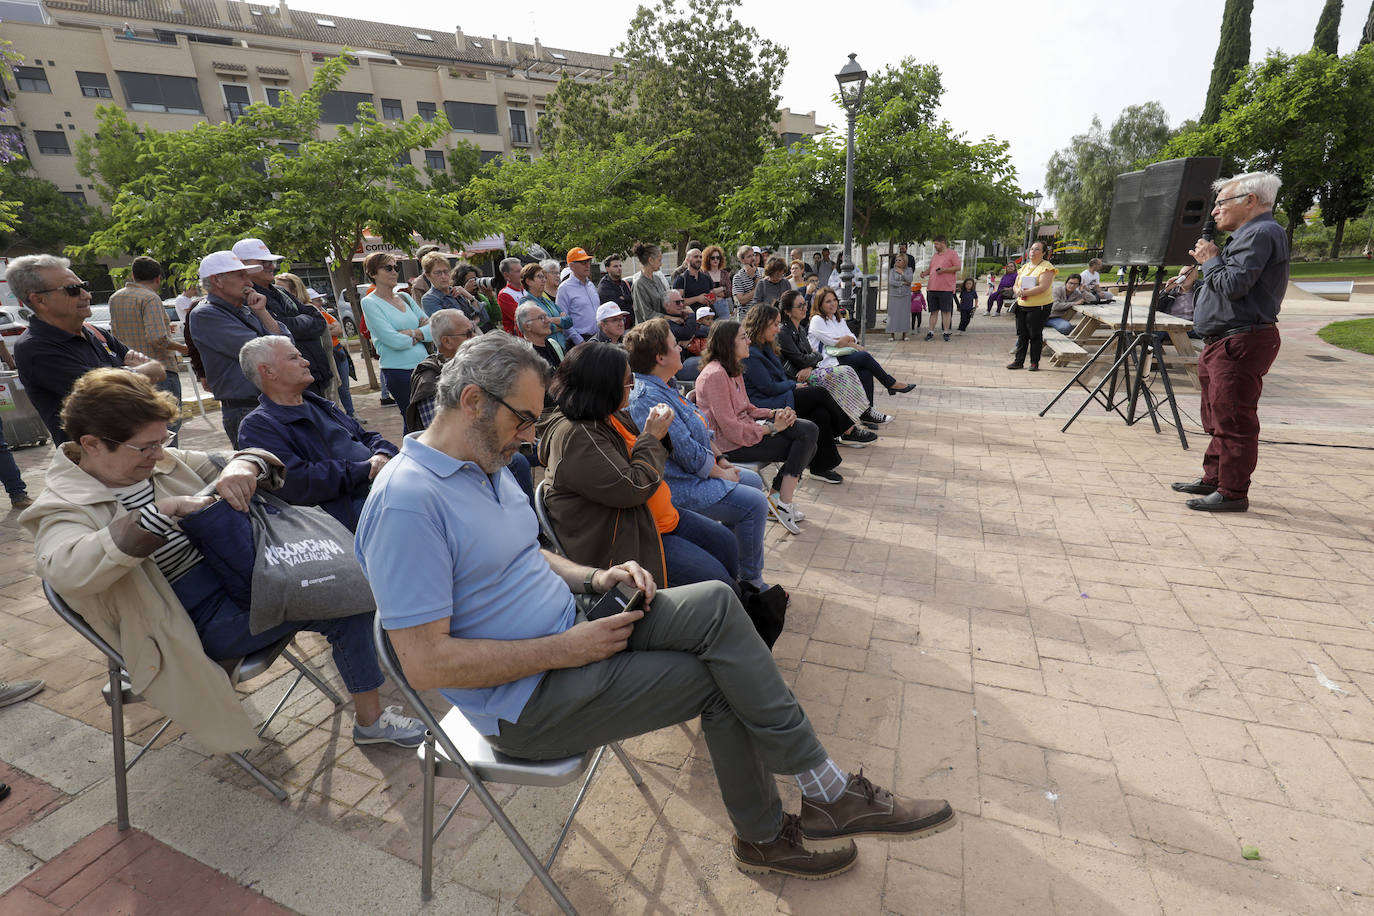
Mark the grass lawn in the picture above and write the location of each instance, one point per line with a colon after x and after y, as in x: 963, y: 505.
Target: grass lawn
x: 1357, y: 335
x: 1344, y: 269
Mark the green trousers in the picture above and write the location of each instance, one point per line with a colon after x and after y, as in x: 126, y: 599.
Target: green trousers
x: 694, y: 653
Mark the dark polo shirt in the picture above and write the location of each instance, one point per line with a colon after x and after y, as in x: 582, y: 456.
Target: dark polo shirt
x: 50, y: 360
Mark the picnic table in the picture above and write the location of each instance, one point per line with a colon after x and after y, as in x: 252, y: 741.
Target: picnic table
x: 1094, y: 319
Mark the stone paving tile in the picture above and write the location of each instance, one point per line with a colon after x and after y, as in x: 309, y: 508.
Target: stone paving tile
x: 1115, y: 693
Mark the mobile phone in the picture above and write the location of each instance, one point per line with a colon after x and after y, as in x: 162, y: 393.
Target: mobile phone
x: 618, y: 600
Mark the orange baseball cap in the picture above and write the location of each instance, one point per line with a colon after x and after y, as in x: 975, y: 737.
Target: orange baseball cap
x: 578, y: 254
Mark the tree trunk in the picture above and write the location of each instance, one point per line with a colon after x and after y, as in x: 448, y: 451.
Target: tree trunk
x: 342, y: 275
x: 1336, y: 242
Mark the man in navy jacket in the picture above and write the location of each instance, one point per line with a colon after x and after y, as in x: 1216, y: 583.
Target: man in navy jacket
x: 330, y: 459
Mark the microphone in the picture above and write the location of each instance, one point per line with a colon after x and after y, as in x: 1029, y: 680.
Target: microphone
x: 1209, y: 228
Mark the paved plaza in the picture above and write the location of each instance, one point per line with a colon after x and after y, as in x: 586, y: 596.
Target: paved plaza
x: 1116, y: 693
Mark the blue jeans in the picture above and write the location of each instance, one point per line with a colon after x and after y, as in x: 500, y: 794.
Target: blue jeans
x: 699, y: 550
x: 9, y: 470
x: 341, y: 362
x: 223, y: 629
x: 520, y: 468
x: 230, y: 418
x: 744, y: 510
x: 1061, y: 325
x: 172, y: 385
x: 398, y: 382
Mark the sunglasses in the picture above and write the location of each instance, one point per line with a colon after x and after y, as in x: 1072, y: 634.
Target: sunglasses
x: 526, y: 419
x: 388, y: 267
x: 145, y: 450
x: 71, y: 289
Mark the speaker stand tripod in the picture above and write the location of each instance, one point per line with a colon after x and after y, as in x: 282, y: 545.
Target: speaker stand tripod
x: 1134, y: 351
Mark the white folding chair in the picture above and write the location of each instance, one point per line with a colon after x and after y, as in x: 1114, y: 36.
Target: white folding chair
x: 454, y: 749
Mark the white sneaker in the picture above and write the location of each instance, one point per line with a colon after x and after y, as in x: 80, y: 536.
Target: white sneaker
x: 391, y: 727
x: 788, y: 518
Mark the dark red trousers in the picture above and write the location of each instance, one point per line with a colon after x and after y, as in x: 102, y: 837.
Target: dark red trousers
x: 1231, y: 372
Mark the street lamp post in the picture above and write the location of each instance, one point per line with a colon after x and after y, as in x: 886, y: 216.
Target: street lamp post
x: 1035, y: 200
x: 852, y: 79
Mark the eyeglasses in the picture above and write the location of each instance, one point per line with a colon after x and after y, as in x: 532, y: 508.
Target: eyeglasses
x: 1222, y: 200
x: 526, y: 419
x: 388, y: 267
x: 71, y: 289
x: 465, y: 335
x: 145, y: 450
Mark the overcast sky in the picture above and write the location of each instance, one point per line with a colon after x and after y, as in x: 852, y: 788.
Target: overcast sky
x: 1078, y: 57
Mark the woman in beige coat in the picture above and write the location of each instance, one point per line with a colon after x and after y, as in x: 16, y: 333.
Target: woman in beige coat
x: 106, y: 539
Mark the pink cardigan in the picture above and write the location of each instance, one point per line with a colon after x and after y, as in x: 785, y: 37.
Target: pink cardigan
x: 728, y: 412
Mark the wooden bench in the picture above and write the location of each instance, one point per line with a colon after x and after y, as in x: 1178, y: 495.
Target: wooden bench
x: 1062, y: 349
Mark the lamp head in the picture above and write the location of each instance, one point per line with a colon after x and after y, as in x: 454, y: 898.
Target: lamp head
x: 852, y: 79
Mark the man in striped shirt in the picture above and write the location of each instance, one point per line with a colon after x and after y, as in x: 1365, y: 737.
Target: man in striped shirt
x: 747, y: 278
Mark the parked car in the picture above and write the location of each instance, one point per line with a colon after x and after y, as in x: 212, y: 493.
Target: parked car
x: 342, y: 309
x: 14, y: 321
x: 100, y: 317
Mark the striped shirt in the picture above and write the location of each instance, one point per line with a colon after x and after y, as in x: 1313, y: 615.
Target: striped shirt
x: 742, y: 284
x: 175, y: 558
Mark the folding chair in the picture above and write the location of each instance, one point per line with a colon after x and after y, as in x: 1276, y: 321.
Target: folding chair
x: 541, y: 512
x: 465, y: 753
x: 119, y: 691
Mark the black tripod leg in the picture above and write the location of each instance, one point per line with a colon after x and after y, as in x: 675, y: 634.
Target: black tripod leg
x: 1092, y: 360
x: 1173, y: 401
x: 1093, y: 395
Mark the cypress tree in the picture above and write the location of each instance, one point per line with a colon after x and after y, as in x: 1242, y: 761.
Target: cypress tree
x: 1233, y: 55
x: 1368, y: 35
x: 1328, y: 27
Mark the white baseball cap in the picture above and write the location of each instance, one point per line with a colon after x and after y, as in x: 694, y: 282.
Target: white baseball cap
x: 255, y: 249
x: 312, y: 294
x: 706, y: 311
x: 220, y: 262
x: 608, y: 310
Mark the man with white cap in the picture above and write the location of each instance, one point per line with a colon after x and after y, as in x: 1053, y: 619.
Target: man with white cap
x: 232, y: 314
x: 301, y: 321
x: 578, y: 297
x: 610, y: 323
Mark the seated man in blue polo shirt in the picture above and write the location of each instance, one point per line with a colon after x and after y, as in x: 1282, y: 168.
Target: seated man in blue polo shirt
x: 476, y: 610
x: 58, y: 349
x: 330, y: 459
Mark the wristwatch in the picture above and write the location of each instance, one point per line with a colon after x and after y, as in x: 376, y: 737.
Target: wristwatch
x: 587, y: 581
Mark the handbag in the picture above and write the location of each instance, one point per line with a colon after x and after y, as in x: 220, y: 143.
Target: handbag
x: 768, y: 612
x: 282, y: 562
x: 839, y: 351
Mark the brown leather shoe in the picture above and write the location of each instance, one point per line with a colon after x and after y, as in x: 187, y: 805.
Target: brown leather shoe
x: 787, y: 856
x: 868, y: 810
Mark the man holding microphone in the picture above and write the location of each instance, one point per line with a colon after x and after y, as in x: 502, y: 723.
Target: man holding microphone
x: 1237, y: 311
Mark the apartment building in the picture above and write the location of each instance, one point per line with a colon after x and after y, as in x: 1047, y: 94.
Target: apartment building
x: 173, y: 63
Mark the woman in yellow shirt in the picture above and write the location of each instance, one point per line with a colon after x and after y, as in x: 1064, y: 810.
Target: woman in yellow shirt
x: 1034, y: 296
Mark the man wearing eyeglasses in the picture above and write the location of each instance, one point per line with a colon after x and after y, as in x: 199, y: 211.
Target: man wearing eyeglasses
x: 1236, y: 310
x: 58, y: 349
x: 536, y: 327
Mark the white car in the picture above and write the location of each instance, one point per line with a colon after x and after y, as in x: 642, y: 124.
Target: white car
x: 100, y: 317
x: 14, y: 321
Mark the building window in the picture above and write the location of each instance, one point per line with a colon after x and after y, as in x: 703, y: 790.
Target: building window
x: 94, y: 85
x: 404, y: 158
x: 426, y: 110
x: 434, y: 159
x: 519, y: 130
x: 391, y: 109
x: 471, y: 117
x: 52, y: 142
x: 156, y: 92
x: 76, y: 197
x: 274, y: 96
x: 236, y: 100
x: 342, y: 107
x: 487, y: 155
x: 31, y: 79
x: 790, y: 139
x: 291, y: 149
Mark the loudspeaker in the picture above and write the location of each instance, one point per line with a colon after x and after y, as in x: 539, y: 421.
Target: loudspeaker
x: 1158, y: 212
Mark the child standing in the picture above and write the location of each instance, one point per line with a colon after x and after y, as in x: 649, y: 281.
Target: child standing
x: 968, y: 302
x: 918, y: 304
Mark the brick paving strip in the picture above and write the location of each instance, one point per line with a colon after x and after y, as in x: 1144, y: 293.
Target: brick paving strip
x: 1116, y: 693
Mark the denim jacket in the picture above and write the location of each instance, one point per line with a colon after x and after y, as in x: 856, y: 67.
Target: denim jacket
x: 691, y: 458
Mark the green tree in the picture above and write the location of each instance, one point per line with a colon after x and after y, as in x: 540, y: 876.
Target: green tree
x: 1367, y: 36
x: 9, y: 208
x: 914, y: 177
x: 1328, y: 27
x: 1349, y: 176
x: 600, y: 199
x: 44, y: 219
x: 691, y: 70
x: 1082, y: 176
x: 1233, y: 55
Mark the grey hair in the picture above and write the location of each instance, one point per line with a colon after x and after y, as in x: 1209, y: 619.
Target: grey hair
x: 256, y: 352
x: 492, y: 362
x: 506, y: 264
x: 1264, y: 185
x: 22, y: 273
x: 444, y: 322
x: 549, y: 264
x: 690, y: 252
x: 525, y: 311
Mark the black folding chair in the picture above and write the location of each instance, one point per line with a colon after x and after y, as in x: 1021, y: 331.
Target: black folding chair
x: 541, y: 512
x: 464, y: 753
x: 119, y: 692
